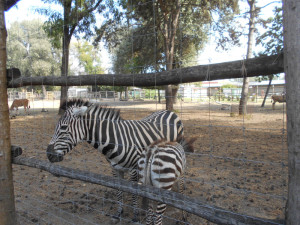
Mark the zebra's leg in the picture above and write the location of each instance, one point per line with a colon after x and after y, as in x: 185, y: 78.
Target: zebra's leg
x: 150, y: 215
x: 119, y: 174
x: 134, y: 177
x: 160, y: 210
x: 181, y: 190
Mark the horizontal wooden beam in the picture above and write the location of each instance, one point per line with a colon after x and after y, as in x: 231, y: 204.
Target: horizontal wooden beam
x: 191, y: 205
x: 259, y: 66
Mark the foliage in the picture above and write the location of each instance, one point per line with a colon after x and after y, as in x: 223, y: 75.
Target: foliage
x: 229, y: 86
x: 164, y: 35
x: 272, y: 39
x: 29, y: 49
x: 137, y: 57
x: 143, y: 25
x: 78, y: 17
x: 89, y: 57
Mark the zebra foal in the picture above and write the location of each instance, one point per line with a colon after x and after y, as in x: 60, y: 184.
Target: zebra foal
x: 160, y: 165
x: 120, y: 141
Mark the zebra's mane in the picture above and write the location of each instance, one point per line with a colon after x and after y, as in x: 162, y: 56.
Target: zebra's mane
x: 187, y: 144
x: 74, y: 102
x: 111, y: 112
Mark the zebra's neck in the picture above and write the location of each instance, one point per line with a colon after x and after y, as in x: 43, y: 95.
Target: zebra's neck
x: 98, y: 127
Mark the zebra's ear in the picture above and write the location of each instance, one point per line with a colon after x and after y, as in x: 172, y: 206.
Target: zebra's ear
x: 80, y: 111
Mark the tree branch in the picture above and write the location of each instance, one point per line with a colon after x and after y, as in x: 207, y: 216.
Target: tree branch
x: 9, y: 3
x: 259, y: 66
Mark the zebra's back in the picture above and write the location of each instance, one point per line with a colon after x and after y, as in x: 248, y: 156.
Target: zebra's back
x: 160, y: 165
x: 168, y: 122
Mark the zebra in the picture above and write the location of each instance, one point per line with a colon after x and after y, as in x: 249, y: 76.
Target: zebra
x: 120, y: 141
x: 160, y: 165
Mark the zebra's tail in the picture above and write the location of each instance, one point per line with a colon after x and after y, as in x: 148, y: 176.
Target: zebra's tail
x: 187, y: 144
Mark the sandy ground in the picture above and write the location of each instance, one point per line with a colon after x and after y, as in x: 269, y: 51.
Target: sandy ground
x: 239, y: 164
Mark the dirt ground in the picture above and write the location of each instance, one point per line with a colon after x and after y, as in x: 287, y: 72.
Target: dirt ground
x: 239, y: 164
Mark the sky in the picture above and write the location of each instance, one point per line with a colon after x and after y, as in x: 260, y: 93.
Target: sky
x: 25, y: 9
x: 210, y: 55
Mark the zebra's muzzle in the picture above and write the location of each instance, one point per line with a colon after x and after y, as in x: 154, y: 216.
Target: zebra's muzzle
x: 52, y: 155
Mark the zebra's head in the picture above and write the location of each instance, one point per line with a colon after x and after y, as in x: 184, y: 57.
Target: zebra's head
x: 67, y: 133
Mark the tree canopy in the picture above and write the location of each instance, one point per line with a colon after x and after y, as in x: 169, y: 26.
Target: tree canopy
x: 89, y: 57
x: 75, y: 18
x: 29, y: 49
x: 164, y: 35
x: 272, y: 38
x: 143, y: 25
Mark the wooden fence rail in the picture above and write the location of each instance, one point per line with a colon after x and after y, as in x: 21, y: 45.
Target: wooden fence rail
x: 191, y: 205
x: 259, y: 66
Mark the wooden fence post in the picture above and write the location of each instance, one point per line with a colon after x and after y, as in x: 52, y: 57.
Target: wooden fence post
x: 291, y: 9
x: 7, y: 203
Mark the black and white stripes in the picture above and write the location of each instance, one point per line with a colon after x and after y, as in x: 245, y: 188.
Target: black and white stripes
x: 160, y: 165
x: 121, y: 141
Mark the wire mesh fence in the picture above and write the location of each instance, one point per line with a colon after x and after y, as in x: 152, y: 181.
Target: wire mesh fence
x: 239, y: 163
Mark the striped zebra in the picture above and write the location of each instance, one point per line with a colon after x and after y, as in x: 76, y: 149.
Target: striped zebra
x: 160, y: 165
x: 120, y: 141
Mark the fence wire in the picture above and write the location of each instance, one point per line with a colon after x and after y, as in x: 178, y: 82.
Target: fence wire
x: 239, y: 163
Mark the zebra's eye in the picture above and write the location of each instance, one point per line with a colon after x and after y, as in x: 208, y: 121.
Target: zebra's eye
x: 63, y: 127
x: 65, y: 138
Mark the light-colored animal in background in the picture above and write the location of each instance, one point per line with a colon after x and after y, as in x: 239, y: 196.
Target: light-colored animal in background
x: 160, y: 165
x: 277, y: 98
x: 20, y: 102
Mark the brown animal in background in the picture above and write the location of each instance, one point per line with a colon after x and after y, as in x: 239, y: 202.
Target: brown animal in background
x: 20, y: 102
x: 277, y: 98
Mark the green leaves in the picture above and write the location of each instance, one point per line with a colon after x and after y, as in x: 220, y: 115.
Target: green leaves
x: 29, y: 49
x: 89, y: 58
x: 272, y: 39
x: 78, y: 18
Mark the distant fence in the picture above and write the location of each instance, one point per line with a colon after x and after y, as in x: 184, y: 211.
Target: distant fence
x: 185, y: 94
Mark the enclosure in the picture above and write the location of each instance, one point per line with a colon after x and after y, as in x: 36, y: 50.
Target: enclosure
x: 244, y: 169
x: 240, y: 164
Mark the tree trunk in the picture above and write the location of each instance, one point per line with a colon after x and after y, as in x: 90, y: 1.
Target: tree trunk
x: 244, y: 97
x: 267, y: 92
x: 159, y: 97
x: 64, y: 72
x: 169, y: 101
x: 126, y: 93
x: 174, y: 93
x: 44, y: 91
x: 245, y: 88
x: 291, y: 24
x: 170, y: 18
x: 65, y: 56
x: 7, y: 201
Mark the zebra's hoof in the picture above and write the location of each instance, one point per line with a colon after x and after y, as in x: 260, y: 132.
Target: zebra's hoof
x: 115, y: 220
x: 117, y: 216
x: 135, y: 219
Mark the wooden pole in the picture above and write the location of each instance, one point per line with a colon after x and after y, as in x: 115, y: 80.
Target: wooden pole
x: 191, y: 205
x: 291, y: 22
x: 7, y: 202
x: 265, y: 65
